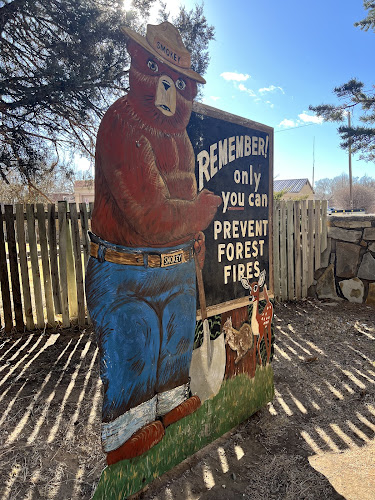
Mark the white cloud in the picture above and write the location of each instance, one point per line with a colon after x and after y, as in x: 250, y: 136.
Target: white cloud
x: 214, y: 97
x: 234, y: 76
x: 310, y: 118
x: 270, y: 104
x: 271, y: 88
x: 304, y: 119
x: 287, y: 123
x: 242, y: 87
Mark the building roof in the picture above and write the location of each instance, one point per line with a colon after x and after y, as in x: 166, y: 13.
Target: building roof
x: 290, y: 185
x: 86, y: 183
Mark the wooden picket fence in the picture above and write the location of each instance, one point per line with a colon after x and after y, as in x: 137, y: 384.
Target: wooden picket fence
x: 43, y: 254
x: 44, y: 251
x: 299, y: 238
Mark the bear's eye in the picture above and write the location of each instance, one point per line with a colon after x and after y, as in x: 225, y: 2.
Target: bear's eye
x: 180, y: 84
x: 152, y: 65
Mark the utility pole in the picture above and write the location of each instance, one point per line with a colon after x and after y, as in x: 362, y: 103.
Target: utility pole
x: 313, y: 172
x: 350, y: 168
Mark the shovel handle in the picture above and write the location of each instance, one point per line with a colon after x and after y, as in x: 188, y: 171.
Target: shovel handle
x: 202, y: 295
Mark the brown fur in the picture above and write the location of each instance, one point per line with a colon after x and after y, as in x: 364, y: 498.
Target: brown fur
x: 145, y: 187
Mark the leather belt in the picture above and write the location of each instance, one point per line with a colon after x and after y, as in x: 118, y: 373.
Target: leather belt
x: 102, y: 253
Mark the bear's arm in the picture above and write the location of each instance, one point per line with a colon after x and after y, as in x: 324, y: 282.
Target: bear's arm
x: 128, y: 164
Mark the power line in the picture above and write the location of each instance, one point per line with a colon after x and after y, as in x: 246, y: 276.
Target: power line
x: 299, y: 126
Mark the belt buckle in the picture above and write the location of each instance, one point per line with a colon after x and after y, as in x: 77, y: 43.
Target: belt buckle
x: 171, y: 259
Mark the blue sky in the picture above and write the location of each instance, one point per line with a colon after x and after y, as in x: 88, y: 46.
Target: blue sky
x: 272, y: 59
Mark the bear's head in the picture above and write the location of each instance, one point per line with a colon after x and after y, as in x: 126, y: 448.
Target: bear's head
x: 161, y: 96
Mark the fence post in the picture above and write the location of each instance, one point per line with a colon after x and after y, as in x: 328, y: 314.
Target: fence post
x: 78, y: 263
x: 35, y: 266
x: 20, y: 224
x: 72, y: 285
x: 276, y: 249
x: 305, y: 267
x: 283, y: 261
x: 317, y: 235
x: 52, y: 241
x: 323, y: 240
x: 297, y: 249
x: 4, y: 278
x: 41, y: 217
x: 13, y: 265
x: 63, y: 264
x: 311, y: 252
x: 290, y: 246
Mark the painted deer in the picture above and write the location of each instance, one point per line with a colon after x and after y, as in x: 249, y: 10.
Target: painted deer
x: 260, y: 323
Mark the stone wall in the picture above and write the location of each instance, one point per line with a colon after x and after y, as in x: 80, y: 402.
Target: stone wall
x: 348, y: 263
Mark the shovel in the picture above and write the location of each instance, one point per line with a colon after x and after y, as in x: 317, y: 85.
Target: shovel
x: 208, y: 361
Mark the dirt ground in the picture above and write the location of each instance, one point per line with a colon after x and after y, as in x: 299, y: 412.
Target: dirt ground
x: 323, y: 411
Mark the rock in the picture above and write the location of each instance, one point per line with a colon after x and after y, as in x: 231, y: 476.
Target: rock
x: 352, y: 223
x: 369, y: 233
x: 371, y: 294
x: 371, y: 247
x: 326, y: 287
x: 366, y: 270
x: 363, y: 243
x: 324, y: 259
x: 352, y: 290
x: 346, y: 234
x: 347, y: 259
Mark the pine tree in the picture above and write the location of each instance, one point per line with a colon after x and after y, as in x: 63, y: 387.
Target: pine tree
x: 62, y: 63
x: 361, y: 139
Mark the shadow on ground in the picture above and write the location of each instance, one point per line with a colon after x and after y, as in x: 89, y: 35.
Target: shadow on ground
x: 324, y: 407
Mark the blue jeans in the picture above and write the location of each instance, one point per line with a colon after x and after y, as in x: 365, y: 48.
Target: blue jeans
x: 144, y: 320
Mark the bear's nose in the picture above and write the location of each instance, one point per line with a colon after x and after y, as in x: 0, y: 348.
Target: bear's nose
x: 166, y: 85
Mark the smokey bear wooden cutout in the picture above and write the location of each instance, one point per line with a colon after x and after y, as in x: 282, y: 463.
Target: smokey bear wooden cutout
x: 146, y: 222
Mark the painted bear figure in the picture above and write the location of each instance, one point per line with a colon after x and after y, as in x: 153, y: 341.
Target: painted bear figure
x: 140, y: 279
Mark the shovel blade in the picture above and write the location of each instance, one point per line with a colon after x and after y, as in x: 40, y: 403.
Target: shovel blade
x: 207, y: 366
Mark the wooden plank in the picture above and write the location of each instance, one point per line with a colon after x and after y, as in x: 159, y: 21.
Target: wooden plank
x: 52, y: 243
x: 276, y: 250
x: 290, y: 248
x: 305, y: 266
x: 85, y: 240
x: 91, y: 208
x: 70, y: 270
x: 84, y: 229
x: 48, y: 294
x: 323, y: 240
x: 4, y: 279
x: 13, y: 265
x: 27, y: 305
x: 270, y: 216
x: 37, y: 287
x: 283, y: 261
x: 62, y: 264
x: 297, y: 249
x: 317, y: 235
x: 311, y: 243
x: 78, y: 264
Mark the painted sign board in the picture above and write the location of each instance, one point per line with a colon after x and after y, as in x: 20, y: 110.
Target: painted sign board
x: 234, y: 159
x: 180, y: 206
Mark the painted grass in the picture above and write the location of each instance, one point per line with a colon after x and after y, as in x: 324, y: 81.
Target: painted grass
x: 238, y: 398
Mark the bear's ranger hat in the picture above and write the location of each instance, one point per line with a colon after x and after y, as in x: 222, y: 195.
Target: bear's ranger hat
x: 165, y: 43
